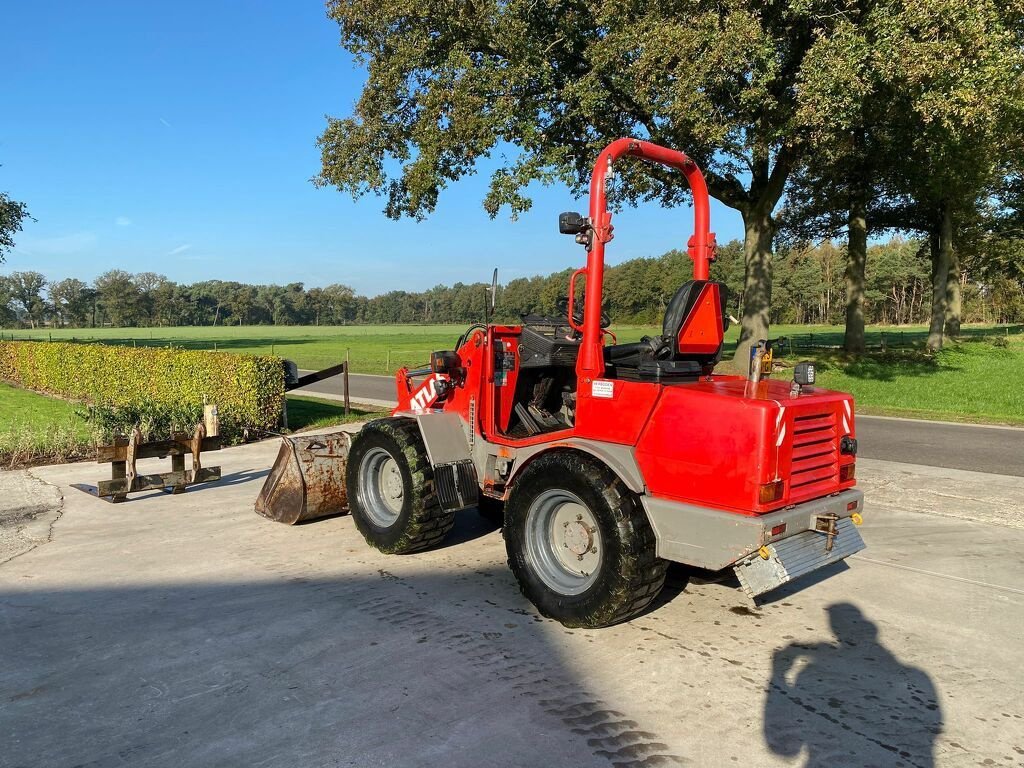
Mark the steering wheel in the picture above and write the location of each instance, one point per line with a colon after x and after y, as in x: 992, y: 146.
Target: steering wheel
x: 562, y: 305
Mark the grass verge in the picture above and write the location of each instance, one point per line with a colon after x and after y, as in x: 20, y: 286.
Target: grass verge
x: 306, y: 413
x: 35, y: 429
x: 968, y: 381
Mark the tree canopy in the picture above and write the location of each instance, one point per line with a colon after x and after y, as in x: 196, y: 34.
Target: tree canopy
x: 541, y: 87
x: 903, y: 102
x: 12, y: 216
x: 810, y: 289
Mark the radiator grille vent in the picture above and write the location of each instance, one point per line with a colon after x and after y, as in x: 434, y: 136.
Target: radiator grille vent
x: 456, y: 485
x: 815, y: 467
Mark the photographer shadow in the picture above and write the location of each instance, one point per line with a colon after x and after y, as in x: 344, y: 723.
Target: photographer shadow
x: 850, y: 702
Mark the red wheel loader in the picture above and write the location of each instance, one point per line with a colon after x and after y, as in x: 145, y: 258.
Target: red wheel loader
x: 610, y: 460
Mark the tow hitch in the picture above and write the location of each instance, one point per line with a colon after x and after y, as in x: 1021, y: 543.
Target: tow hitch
x: 827, y: 524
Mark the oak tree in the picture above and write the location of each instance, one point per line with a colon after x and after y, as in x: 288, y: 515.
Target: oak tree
x: 538, y: 87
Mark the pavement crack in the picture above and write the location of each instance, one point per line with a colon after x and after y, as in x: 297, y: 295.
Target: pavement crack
x: 58, y: 508
x: 60, y: 504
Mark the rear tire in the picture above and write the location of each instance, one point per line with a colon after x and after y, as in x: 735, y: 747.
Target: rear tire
x: 390, y: 486
x: 579, y: 542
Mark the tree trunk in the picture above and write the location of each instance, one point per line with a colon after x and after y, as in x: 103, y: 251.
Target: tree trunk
x: 857, y: 254
x: 954, y: 300
x: 941, y: 249
x: 759, y: 232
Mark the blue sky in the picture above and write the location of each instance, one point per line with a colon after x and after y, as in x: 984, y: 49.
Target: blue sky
x: 180, y: 138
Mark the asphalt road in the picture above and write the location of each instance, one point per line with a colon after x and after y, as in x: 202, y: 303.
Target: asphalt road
x: 186, y: 631
x: 998, y: 450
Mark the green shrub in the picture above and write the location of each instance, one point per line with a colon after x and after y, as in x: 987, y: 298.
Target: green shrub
x: 156, y: 388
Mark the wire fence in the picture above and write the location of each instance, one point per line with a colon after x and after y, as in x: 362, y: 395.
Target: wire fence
x: 890, y: 339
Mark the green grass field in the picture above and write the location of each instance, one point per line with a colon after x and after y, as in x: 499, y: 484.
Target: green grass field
x: 383, y: 348
x: 971, y: 380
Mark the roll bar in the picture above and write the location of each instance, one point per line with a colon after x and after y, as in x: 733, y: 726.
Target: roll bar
x: 701, y: 246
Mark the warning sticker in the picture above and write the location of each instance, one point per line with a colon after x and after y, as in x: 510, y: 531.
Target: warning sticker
x: 602, y: 388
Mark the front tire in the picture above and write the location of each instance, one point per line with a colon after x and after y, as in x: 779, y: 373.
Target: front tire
x: 579, y: 542
x: 390, y: 486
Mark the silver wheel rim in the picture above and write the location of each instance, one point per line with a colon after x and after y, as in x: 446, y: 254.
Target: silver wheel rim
x: 563, y: 542
x: 381, y: 490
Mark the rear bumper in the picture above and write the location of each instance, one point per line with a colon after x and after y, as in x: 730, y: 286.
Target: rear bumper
x: 713, y: 539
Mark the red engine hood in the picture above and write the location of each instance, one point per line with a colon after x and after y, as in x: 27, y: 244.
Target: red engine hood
x: 715, y: 443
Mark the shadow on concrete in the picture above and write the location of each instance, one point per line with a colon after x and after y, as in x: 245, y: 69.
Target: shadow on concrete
x: 294, y: 671
x: 429, y: 667
x: 234, y: 478
x: 821, y: 695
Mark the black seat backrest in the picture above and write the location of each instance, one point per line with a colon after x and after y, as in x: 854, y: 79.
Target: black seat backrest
x: 659, y: 357
x: 679, y: 308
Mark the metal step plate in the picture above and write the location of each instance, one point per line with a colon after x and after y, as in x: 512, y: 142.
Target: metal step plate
x: 793, y: 557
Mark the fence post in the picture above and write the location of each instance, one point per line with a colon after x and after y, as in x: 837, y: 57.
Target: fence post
x: 211, y: 420
x: 388, y: 366
x: 345, y: 384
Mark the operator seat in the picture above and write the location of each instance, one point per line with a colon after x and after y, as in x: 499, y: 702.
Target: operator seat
x: 659, y: 355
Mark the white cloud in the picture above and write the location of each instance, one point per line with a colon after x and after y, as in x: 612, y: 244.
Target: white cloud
x: 123, y: 221
x: 166, y: 123
x: 179, y: 249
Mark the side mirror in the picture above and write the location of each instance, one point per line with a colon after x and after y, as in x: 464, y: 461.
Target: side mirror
x: 494, y: 289
x: 571, y: 223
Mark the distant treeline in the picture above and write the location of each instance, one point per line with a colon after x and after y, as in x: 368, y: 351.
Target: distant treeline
x: 809, y: 288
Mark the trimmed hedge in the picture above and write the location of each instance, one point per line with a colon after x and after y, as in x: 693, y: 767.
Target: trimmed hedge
x: 138, y: 382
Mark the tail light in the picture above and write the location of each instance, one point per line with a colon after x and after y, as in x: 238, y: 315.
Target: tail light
x: 771, y: 492
x: 846, y: 472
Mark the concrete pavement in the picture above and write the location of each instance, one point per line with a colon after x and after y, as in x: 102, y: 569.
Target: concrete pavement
x: 28, y: 510
x: 998, y: 450
x: 188, y: 631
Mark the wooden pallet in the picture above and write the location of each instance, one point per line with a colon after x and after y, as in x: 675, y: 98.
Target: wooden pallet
x: 125, y: 451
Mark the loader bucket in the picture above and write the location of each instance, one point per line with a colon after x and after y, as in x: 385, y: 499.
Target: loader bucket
x: 307, y: 480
